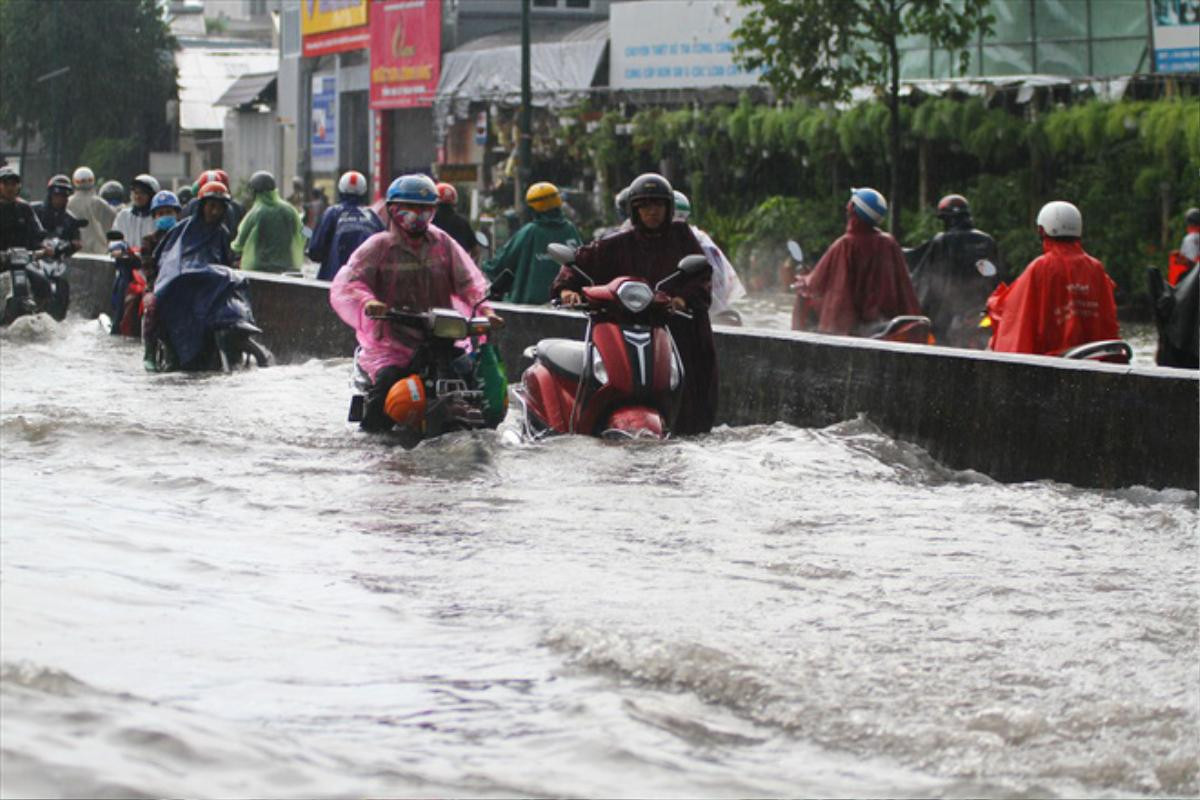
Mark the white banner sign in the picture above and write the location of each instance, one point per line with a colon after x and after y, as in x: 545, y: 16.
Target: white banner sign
x: 672, y: 44
x: 1176, y: 35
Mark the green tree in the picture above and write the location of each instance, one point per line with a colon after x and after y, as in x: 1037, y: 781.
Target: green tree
x: 822, y: 49
x: 117, y: 74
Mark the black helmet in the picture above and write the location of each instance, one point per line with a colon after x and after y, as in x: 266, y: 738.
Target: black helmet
x: 60, y: 184
x: 262, y: 181
x: 953, y: 205
x: 651, y: 186
x: 1193, y: 216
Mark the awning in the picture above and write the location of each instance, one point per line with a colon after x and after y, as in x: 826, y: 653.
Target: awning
x: 252, y: 89
x: 562, y: 69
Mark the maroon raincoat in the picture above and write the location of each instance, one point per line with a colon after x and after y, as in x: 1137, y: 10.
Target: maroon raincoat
x: 653, y: 257
x: 861, y: 281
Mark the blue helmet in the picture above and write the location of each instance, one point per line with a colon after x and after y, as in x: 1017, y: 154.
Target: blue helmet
x: 165, y: 199
x: 413, y: 189
x: 869, y: 204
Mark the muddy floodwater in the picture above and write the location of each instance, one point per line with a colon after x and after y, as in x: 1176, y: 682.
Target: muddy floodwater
x: 211, y: 586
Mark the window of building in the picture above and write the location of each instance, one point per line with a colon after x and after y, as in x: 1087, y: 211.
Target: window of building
x: 573, y: 4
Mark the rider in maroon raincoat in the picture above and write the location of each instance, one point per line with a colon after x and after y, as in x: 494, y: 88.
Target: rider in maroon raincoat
x: 862, y: 280
x: 652, y: 249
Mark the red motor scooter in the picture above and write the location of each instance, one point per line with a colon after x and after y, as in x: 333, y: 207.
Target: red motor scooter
x: 624, y: 379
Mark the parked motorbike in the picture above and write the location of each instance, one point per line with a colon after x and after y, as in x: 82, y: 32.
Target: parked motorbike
x: 450, y: 388
x: 624, y: 380
x: 31, y: 282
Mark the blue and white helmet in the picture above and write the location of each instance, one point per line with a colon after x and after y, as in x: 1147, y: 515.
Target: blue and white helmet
x: 165, y: 199
x: 869, y: 204
x: 413, y: 189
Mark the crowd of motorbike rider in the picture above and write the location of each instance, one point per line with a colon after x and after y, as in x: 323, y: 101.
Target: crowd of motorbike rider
x: 413, y: 249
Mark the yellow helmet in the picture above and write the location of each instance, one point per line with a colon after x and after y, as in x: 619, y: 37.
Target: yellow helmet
x: 543, y: 196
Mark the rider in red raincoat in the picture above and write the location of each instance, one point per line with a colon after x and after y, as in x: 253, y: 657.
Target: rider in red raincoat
x: 1063, y: 299
x: 862, y: 280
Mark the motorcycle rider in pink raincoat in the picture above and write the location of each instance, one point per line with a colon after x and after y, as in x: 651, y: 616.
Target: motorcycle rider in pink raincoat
x: 411, y: 265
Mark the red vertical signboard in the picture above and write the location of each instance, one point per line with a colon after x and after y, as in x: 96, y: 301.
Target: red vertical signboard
x: 406, y: 49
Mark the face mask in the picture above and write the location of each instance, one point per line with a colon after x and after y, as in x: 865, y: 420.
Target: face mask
x: 411, y: 221
x: 164, y: 223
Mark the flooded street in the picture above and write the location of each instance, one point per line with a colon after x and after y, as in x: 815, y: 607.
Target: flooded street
x: 211, y: 586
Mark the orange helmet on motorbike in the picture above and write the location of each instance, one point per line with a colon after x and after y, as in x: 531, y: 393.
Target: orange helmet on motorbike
x: 405, y: 403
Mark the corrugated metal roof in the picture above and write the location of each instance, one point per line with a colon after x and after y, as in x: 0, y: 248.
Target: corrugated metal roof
x: 247, y: 89
x: 205, y: 74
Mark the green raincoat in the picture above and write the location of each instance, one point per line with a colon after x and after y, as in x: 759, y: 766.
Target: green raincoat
x: 269, y: 237
x: 525, y: 254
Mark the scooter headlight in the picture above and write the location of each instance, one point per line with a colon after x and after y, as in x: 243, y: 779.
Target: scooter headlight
x: 635, y: 296
x: 599, y: 371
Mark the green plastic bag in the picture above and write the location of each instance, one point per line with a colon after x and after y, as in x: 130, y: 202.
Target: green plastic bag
x: 493, y: 378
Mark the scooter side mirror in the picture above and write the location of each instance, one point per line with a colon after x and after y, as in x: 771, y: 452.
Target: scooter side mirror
x: 481, y: 239
x: 501, y: 285
x: 795, y: 252
x: 114, y: 236
x: 562, y: 254
x: 689, y: 266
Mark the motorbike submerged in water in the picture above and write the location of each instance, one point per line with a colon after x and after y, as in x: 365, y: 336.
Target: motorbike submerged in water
x: 625, y: 379
x: 449, y: 388
x: 202, y: 318
x: 32, y: 283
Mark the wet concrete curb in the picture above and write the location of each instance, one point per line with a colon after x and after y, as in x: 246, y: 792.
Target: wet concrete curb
x: 1013, y: 418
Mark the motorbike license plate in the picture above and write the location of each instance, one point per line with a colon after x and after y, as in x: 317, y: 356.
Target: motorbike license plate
x: 6, y: 285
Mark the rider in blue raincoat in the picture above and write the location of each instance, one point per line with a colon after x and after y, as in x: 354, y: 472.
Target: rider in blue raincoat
x: 195, y: 291
x: 343, y: 227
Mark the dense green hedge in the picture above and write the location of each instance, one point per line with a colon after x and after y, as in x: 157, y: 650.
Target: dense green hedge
x: 760, y: 174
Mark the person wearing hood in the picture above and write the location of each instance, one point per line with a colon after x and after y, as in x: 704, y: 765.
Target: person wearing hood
x: 1063, y: 299
x: 954, y: 273
x: 270, y: 237
x: 861, y: 281
x: 412, y: 264
x: 525, y: 254
x: 652, y: 249
x: 184, y: 301
x: 449, y: 220
x: 343, y: 227
x: 56, y: 220
x: 726, y: 285
x: 85, y: 204
x: 135, y: 221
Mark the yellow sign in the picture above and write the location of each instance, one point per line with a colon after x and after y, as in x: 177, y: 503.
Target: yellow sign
x: 320, y: 16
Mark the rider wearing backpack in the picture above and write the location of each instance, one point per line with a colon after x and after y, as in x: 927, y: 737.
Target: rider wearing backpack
x: 343, y: 227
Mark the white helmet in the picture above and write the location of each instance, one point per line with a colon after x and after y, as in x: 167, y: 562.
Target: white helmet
x: 83, y: 178
x: 1060, y: 218
x: 352, y: 182
x: 147, y: 182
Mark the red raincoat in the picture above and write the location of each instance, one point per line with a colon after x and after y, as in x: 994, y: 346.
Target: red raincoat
x: 1064, y: 298
x: 861, y: 281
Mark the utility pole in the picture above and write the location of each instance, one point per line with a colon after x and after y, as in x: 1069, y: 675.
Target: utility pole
x: 525, y: 153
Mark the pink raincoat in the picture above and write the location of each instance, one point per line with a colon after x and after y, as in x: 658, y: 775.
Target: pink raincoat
x: 387, y: 268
